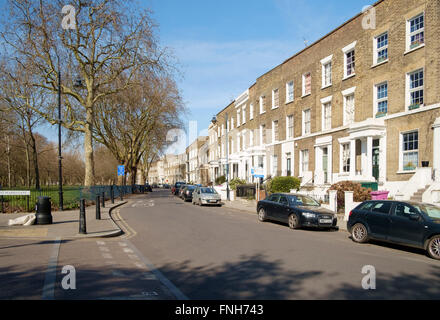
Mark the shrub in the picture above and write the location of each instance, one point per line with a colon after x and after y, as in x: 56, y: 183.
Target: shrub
x: 236, y: 182
x: 284, y: 184
x: 360, y: 194
x: 220, y: 180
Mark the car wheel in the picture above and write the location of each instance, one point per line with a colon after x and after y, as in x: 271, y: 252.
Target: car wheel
x: 359, y: 233
x: 262, y: 215
x: 293, y: 222
x: 434, y: 247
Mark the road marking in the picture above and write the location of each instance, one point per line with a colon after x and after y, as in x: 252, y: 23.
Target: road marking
x: 122, y: 244
x: 100, y: 243
x: 167, y: 283
x: 139, y: 265
x: 133, y: 257
x: 105, y: 249
x: 128, y: 250
x: 107, y: 256
x: 51, y: 272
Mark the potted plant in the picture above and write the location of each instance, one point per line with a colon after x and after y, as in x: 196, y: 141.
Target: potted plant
x: 381, y: 114
x: 425, y: 164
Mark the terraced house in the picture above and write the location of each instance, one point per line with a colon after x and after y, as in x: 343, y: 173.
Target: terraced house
x: 360, y: 104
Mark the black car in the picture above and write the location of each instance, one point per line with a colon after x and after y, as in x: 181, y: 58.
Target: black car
x: 296, y: 210
x: 409, y: 223
x: 176, y: 187
x: 187, y: 193
x: 148, y: 188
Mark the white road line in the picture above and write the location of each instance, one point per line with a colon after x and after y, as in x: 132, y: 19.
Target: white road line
x: 107, y: 256
x: 105, y: 249
x: 100, y: 243
x: 122, y: 244
x: 133, y: 257
x: 128, y: 250
x: 51, y: 273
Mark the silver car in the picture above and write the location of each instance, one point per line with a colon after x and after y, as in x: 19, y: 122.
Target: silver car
x: 206, y: 196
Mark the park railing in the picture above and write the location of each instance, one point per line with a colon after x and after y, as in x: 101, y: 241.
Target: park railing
x: 16, y: 200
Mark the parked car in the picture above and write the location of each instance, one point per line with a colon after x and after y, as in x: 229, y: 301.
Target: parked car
x: 297, y: 211
x: 148, y: 188
x: 408, y: 223
x: 182, y: 187
x: 206, y: 196
x: 187, y: 193
x: 176, y: 187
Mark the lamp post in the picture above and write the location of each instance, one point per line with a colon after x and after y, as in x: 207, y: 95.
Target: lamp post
x: 60, y: 158
x: 227, y: 159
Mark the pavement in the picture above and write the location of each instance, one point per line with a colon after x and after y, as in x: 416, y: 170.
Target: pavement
x: 66, y: 225
x: 251, y: 207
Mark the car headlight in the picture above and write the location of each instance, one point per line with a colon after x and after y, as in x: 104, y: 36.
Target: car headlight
x: 309, y: 215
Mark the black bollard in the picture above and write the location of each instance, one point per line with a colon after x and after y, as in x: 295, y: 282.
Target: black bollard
x: 120, y: 193
x: 103, y: 199
x: 82, y: 217
x: 112, y: 194
x: 98, y: 208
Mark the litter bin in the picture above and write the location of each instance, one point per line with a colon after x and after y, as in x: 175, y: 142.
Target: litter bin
x: 44, y: 211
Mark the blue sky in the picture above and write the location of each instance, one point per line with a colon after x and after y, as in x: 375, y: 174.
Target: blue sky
x: 224, y: 46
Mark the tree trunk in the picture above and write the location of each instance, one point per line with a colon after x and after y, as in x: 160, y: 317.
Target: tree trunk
x: 89, y: 179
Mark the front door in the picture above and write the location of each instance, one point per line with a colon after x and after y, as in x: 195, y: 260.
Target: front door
x: 376, y: 159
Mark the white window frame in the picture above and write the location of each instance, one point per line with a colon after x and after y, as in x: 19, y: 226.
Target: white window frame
x: 262, y: 128
x: 290, y: 129
x: 238, y: 118
x: 275, y: 103
x: 376, y: 50
x: 325, y: 62
x: 251, y: 112
x: 275, y: 131
x: 345, y: 94
x: 304, y: 94
x: 274, y: 165
x: 290, y: 95
x: 304, y: 131
x: 402, y: 152
x: 243, y: 114
x: 304, y: 165
x: 324, y: 103
x: 262, y: 105
x: 409, y: 34
x: 346, y: 50
x: 410, y: 90
x: 251, y: 138
x: 345, y: 158
x: 377, y: 100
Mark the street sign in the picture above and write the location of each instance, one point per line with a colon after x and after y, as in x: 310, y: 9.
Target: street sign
x: 258, y: 173
x: 121, y: 171
x: 15, y: 193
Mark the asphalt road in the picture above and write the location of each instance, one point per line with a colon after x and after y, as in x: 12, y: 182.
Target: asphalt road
x: 219, y: 253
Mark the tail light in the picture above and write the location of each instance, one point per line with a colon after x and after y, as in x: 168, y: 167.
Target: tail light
x: 351, y: 212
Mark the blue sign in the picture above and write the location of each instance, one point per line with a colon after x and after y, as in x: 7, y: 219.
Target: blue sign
x: 121, y: 171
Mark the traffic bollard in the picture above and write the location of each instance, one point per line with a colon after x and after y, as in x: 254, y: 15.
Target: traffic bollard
x: 112, y: 194
x: 82, y: 217
x: 98, y: 208
x: 103, y: 199
x: 120, y: 193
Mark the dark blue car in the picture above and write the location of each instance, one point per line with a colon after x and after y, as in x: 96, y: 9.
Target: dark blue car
x: 412, y: 224
x: 297, y: 211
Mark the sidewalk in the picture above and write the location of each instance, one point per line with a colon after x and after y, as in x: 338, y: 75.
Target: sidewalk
x: 250, y: 206
x: 65, y: 225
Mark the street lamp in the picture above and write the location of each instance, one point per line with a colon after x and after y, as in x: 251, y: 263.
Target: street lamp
x: 60, y: 170
x: 227, y: 159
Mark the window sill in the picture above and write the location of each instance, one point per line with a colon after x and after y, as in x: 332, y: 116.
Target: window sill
x: 379, y: 63
x: 289, y: 102
x: 274, y: 108
x: 406, y: 172
x: 413, y: 49
x: 306, y: 95
x: 349, y: 77
x: 327, y: 86
x: 263, y: 112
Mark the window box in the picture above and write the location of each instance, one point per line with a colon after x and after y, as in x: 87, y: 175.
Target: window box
x: 409, y: 167
x: 414, y: 106
x: 381, y: 114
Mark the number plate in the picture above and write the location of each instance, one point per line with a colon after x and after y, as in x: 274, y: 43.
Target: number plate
x: 212, y: 201
x: 325, y: 221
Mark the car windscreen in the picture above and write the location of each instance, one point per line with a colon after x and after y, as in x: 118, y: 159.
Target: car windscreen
x: 306, y: 201
x: 431, y: 211
x: 208, y: 190
x: 191, y: 188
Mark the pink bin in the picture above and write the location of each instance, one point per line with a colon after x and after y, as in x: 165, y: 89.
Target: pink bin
x: 379, y: 195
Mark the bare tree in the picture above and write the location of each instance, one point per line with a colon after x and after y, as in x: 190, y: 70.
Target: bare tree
x: 135, y: 123
x: 110, y: 39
